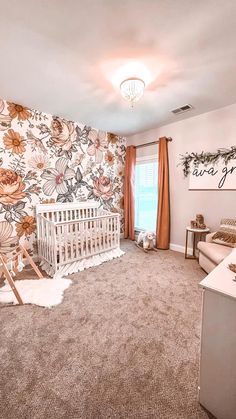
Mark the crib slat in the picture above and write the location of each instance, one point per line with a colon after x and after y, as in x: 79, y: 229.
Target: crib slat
x: 50, y: 246
x: 115, y: 224
x: 54, y: 249
x: 95, y: 235
x: 46, y: 242
x: 59, y: 244
x: 43, y: 237
x: 77, y: 255
x: 65, y: 240
x: 49, y: 241
x: 81, y: 235
x: 39, y: 235
x: 69, y: 240
x: 104, y: 233
x: 109, y: 232
x: 86, y: 238
x: 115, y: 233
x: 47, y: 246
x: 100, y: 234
x: 112, y: 230
x: 92, y: 236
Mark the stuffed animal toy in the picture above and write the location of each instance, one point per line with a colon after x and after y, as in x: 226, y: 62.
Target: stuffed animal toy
x: 146, y: 241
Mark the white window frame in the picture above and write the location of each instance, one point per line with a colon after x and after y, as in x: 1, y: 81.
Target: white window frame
x: 145, y: 159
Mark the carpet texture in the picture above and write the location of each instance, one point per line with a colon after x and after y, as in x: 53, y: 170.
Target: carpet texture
x: 124, y: 343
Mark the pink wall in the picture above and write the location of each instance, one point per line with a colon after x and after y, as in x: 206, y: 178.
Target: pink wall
x: 206, y: 132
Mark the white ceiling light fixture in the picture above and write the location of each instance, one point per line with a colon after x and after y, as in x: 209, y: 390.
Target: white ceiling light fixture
x: 132, y: 89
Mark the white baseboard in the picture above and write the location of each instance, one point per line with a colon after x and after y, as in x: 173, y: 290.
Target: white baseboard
x: 181, y: 249
x: 174, y: 247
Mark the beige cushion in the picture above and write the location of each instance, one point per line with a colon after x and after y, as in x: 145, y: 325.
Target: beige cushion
x: 222, y: 242
x: 226, y: 235
x: 215, y: 252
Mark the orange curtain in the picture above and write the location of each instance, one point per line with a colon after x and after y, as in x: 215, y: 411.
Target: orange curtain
x: 129, y: 192
x: 163, y: 210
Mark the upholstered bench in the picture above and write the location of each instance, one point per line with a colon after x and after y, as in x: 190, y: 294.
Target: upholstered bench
x: 211, y: 254
x: 217, y: 245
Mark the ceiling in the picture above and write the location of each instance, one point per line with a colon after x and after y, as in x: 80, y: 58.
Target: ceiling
x: 67, y: 58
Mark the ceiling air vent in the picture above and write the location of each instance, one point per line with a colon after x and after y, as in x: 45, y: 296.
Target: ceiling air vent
x: 182, y: 109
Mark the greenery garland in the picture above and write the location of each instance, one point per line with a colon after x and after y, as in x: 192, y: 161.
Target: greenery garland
x: 206, y: 158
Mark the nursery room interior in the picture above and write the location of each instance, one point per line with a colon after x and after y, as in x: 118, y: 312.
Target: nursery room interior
x: 118, y: 209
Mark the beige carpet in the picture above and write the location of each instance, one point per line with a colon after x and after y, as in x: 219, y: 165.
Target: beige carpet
x: 123, y: 344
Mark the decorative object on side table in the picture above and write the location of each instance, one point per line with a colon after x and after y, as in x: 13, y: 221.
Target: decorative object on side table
x: 196, y: 231
x: 199, y: 222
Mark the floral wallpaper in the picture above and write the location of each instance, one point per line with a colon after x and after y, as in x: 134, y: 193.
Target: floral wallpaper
x: 44, y: 158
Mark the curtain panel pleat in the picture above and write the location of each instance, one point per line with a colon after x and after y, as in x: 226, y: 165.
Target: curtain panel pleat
x: 163, y: 210
x: 129, y: 192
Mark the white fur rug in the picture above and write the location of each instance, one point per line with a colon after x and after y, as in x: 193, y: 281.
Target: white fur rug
x: 45, y: 292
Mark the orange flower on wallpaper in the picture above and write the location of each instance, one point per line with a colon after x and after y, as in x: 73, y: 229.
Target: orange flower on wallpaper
x: 26, y: 226
x: 112, y: 138
x: 14, y: 142
x: 11, y: 187
x: 109, y: 158
x: 18, y: 111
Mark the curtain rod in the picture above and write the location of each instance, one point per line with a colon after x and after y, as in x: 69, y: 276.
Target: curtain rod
x: 151, y: 143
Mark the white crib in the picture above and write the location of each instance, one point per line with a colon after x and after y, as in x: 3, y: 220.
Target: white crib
x: 74, y: 236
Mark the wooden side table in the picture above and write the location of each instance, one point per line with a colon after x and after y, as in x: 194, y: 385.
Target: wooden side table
x: 195, y: 232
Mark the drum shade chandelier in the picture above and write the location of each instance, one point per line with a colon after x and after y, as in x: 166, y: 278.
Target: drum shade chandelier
x: 132, y: 89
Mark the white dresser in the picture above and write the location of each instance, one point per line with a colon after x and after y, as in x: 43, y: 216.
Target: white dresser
x: 218, y: 342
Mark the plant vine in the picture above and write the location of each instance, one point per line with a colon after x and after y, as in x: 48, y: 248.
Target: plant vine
x: 206, y: 158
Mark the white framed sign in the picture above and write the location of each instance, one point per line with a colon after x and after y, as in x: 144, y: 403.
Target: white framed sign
x: 217, y: 177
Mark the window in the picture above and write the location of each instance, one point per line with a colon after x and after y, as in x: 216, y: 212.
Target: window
x: 146, y: 194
